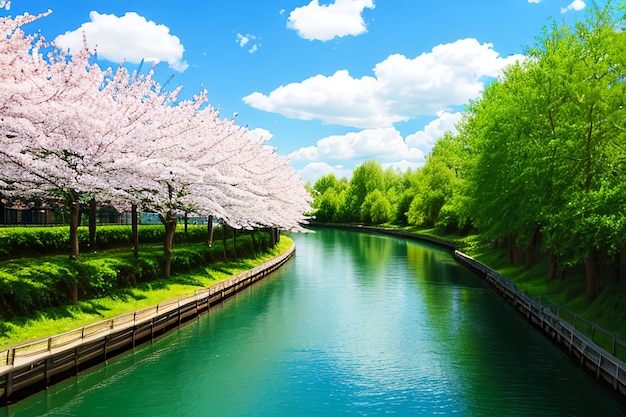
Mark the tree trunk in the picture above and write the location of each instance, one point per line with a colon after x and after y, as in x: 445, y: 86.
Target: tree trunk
x: 186, y: 227
x: 622, y: 265
x: 170, y: 228
x: 591, y: 278
x: 74, y: 222
x: 209, y: 239
x: 272, y: 237
x: 532, y: 250
x: 235, y: 242
x: 552, y: 266
x: 224, y: 229
x: 516, y: 255
x: 74, y: 292
x: 75, y: 248
x: 255, y: 247
x: 92, y: 224
x: 134, y: 220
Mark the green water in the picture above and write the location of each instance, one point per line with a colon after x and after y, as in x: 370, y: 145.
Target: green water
x: 356, y: 324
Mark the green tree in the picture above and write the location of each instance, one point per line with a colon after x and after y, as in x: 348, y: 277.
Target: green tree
x: 548, y: 146
x: 329, y: 198
x: 437, y: 184
x: 376, y: 208
x: 366, y: 178
x: 405, y: 194
x: 506, y: 172
x: 590, y: 224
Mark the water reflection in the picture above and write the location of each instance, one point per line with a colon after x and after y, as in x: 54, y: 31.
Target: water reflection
x: 357, y: 324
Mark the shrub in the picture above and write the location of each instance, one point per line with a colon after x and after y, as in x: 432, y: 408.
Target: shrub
x: 37, y: 241
x: 31, y: 284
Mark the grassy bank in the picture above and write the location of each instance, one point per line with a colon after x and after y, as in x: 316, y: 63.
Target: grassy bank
x: 55, y: 320
x: 607, y: 310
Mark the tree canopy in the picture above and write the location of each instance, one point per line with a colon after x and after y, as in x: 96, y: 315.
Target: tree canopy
x: 538, y: 160
x: 71, y: 131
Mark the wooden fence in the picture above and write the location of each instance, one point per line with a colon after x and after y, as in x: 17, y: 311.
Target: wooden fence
x: 35, y: 365
x: 605, y: 366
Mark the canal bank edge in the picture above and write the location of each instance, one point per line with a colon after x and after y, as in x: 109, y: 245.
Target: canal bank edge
x: 32, y: 367
x: 605, y: 367
x: 446, y: 244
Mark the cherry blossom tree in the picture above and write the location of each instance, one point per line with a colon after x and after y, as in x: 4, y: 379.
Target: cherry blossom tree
x: 73, y: 131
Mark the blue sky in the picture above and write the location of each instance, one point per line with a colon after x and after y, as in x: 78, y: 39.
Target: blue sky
x: 332, y: 83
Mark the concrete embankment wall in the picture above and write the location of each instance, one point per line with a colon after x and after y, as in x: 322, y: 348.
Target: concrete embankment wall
x: 381, y: 230
x: 31, y: 367
x: 605, y: 367
x: 599, y: 363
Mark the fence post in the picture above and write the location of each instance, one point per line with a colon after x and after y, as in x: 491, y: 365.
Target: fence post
x: 613, y: 347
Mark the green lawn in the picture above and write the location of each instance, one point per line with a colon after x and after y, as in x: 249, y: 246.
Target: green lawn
x: 61, y: 319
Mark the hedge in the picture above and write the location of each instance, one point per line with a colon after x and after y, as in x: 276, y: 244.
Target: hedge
x: 37, y: 241
x: 31, y: 284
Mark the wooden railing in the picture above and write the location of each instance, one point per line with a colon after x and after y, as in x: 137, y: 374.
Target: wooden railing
x: 28, y: 351
x: 595, y: 347
x: 600, y: 336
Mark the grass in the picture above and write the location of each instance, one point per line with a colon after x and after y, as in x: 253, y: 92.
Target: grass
x: 62, y: 319
x: 607, y: 310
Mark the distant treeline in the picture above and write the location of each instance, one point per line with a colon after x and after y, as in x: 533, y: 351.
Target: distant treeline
x: 538, y: 161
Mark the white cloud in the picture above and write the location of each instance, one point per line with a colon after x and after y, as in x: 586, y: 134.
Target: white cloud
x: 315, y: 170
x: 325, y: 22
x: 402, y: 166
x: 128, y: 38
x: 425, y: 139
x: 576, y: 5
x: 382, y: 144
x: 244, y: 40
x: 338, y: 99
x: 534, y: 1
x: 400, y: 89
x: 260, y: 134
x: 386, y: 145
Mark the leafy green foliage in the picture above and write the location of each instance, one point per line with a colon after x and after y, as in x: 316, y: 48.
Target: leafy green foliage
x: 376, y: 209
x: 538, y: 163
x: 29, y: 284
x: 366, y: 178
x: 35, y: 241
x: 330, y: 196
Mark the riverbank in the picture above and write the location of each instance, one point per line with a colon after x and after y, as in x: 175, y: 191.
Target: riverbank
x: 46, y: 322
x: 37, y: 365
x: 597, y: 350
x: 607, y: 310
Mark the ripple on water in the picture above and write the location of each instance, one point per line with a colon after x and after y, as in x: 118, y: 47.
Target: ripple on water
x: 358, y: 325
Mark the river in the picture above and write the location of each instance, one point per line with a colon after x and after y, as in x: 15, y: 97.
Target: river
x: 356, y: 324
